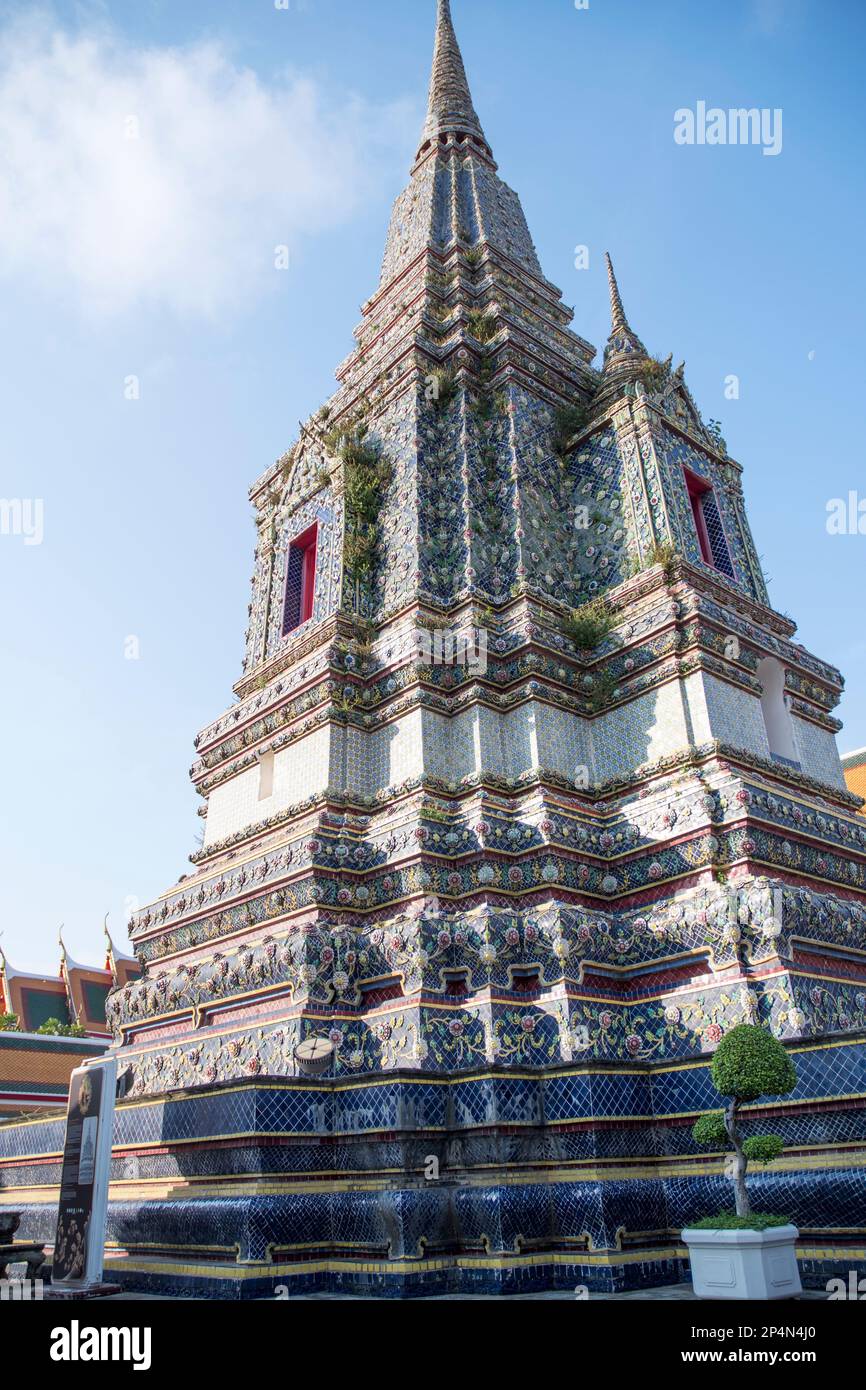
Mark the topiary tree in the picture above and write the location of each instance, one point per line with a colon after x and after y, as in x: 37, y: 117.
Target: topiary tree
x: 748, y: 1063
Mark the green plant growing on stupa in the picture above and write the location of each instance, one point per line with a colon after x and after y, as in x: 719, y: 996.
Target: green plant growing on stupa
x: 366, y: 475
x: 365, y: 632
x: 662, y: 553
x: 655, y: 372
x: 443, y: 387
x: 333, y: 438
x: 568, y: 420
x: 482, y: 325
x: 286, y: 463
x: 714, y: 430
x: 474, y: 256
x: 747, y: 1064
x: 588, y: 626
x: 486, y: 405
x: 605, y: 685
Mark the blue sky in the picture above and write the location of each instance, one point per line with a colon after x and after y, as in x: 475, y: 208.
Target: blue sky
x: 155, y: 154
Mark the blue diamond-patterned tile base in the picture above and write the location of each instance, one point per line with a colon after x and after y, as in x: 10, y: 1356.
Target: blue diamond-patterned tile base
x: 579, y: 1176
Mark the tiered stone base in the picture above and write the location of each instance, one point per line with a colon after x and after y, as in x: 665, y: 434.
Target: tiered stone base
x: 493, y: 1181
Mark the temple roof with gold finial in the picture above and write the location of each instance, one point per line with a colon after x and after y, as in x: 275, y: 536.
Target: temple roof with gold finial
x: 75, y: 995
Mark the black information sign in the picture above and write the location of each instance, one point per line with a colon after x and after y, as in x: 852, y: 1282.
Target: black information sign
x: 78, y: 1247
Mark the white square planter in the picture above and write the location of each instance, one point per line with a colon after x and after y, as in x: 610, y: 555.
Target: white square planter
x: 744, y: 1264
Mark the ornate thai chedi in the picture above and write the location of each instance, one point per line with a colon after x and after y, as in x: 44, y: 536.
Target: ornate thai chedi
x: 523, y: 893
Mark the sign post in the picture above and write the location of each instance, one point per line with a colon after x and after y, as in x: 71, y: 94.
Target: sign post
x: 80, y: 1240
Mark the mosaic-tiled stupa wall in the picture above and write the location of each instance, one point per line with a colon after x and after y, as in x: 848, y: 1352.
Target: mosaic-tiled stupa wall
x: 527, y: 795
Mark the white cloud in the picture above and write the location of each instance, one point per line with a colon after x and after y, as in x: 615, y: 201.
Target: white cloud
x: 133, y: 177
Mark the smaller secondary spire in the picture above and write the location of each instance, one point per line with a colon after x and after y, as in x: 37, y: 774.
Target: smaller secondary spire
x: 623, y: 341
x: 449, y: 106
x: 625, y: 355
x: 619, y: 321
